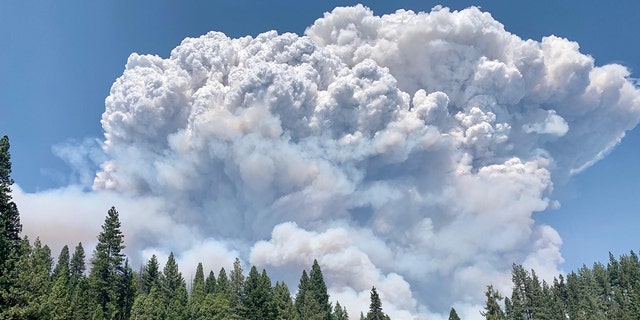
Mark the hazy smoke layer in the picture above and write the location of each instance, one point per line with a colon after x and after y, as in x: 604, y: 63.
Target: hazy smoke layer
x: 407, y: 151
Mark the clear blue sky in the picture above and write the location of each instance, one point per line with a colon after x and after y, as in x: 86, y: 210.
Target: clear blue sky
x: 59, y: 59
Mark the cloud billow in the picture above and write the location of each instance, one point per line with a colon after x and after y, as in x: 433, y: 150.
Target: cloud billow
x: 407, y: 151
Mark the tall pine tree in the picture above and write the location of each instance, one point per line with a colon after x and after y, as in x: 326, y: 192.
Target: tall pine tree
x: 453, y: 315
x: 319, y: 289
x: 236, y: 284
x: 375, y: 307
x: 174, y: 291
x: 10, y: 228
x: 108, y: 270
x: 150, y: 276
x: 492, y: 309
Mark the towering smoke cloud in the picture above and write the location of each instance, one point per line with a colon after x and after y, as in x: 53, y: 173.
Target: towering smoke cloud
x: 408, y: 151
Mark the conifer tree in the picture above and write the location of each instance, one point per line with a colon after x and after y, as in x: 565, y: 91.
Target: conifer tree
x: 33, y: 283
x: 236, y: 284
x: 375, y: 308
x: 258, y: 297
x: 126, y: 292
x: 222, y: 285
x: 62, y: 267
x: 174, y: 291
x: 58, y: 303
x: 221, y: 307
x: 283, y: 303
x: 196, y: 298
x: 340, y: 313
x: 210, y: 283
x: 150, y: 275
x: 266, y: 287
x: 82, y: 305
x: 310, y: 309
x: 319, y: 289
x: 492, y: 309
x: 149, y: 306
x: 10, y: 228
x: 303, y: 287
x: 108, y: 270
x: 453, y: 315
x: 77, y: 265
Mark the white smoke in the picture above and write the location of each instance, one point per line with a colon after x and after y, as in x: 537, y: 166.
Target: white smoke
x: 408, y: 151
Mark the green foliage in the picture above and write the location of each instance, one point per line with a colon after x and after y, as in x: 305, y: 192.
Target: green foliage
x: 82, y: 305
x: 62, y: 267
x: 453, y: 315
x: 58, y: 303
x: 210, y: 283
x: 258, y: 300
x: 110, y: 278
x: 375, y: 307
x: 222, y: 285
x: 10, y: 228
x: 492, y: 310
x: 236, y: 286
x: 77, y: 266
x: 198, y: 293
x: 303, y: 287
x: 283, y: 303
x: 150, y: 275
x: 33, y: 282
x: 309, y: 307
x: 149, y: 306
x: 174, y: 291
x: 339, y: 312
x: 319, y: 289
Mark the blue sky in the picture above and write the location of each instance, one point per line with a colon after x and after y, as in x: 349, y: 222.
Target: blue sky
x: 59, y: 60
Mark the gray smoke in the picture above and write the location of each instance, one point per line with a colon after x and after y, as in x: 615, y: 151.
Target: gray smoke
x: 407, y: 151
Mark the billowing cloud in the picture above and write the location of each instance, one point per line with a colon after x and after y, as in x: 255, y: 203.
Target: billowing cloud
x: 408, y: 151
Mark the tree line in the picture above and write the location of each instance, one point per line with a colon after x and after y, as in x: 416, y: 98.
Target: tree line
x: 33, y: 287
x: 610, y: 291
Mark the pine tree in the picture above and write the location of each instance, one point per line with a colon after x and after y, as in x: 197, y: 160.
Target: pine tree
x: 207, y: 309
x: 303, y: 287
x: 77, y: 266
x: 174, y: 291
x: 340, y: 313
x: 149, y: 306
x: 150, y: 275
x: 375, y: 308
x: 62, y: 267
x: 265, y: 286
x: 196, y: 298
x: 221, y: 307
x: 33, y: 283
x: 108, y: 266
x: 10, y: 228
x: 453, y: 315
x: 126, y: 292
x: 222, y: 285
x: 58, y: 301
x: 319, y: 289
x: 258, y: 296
x: 492, y: 310
x: 310, y: 309
x: 236, y: 284
x: 210, y: 283
x: 82, y: 305
x: 283, y: 303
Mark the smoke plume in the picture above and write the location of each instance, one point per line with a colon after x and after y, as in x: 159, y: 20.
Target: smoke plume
x: 408, y: 151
